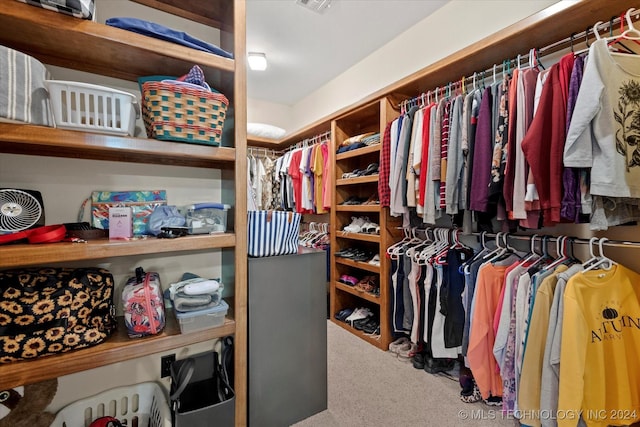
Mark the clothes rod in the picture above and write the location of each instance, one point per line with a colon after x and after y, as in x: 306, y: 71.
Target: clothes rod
x: 610, y: 243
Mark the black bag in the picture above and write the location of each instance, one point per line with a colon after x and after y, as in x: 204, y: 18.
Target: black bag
x: 200, y: 392
x: 46, y: 311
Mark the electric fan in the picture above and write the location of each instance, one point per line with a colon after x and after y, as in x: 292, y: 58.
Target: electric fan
x: 20, y: 210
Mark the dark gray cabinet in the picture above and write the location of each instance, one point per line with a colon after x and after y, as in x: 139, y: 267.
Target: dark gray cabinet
x: 287, y: 355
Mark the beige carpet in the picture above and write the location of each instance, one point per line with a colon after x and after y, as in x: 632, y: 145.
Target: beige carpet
x: 369, y: 387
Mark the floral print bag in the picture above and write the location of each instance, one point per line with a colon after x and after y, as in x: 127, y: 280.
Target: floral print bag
x: 47, y: 311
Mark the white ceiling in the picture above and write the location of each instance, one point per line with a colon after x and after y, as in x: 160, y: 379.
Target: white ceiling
x: 306, y: 49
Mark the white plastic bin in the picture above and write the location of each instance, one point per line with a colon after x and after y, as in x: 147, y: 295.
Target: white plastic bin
x: 92, y: 108
x: 142, y: 404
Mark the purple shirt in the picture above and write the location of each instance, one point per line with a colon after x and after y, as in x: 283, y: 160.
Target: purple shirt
x: 571, y: 199
x: 482, y: 155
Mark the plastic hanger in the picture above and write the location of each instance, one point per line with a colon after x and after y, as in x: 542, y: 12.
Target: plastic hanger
x: 533, y: 255
x: 391, y: 249
x: 560, y: 250
x: 586, y: 40
x: 602, y: 263
x: 629, y: 34
x: 614, y: 40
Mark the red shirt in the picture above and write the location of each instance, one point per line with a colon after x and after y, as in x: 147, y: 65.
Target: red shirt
x: 543, y: 145
x: 296, y: 179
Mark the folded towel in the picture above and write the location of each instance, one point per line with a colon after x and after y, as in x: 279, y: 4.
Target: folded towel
x: 183, y: 302
x: 186, y: 303
x: 161, y: 32
x: 23, y: 96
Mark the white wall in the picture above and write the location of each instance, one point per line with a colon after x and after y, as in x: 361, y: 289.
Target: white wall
x: 259, y: 111
x: 451, y: 28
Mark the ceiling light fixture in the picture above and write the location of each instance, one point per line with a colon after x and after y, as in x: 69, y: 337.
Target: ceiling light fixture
x: 257, y: 61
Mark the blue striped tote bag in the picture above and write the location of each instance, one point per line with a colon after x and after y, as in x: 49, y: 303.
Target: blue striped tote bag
x: 272, y: 233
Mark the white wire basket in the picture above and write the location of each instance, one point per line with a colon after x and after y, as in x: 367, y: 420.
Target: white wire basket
x: 142, y: 405
x: 92, y: 108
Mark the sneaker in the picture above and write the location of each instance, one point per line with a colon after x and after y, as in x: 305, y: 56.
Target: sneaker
x: 375, y: 260
x: 359, y: 313
x: 343, y: 314
x: 356, y: 225
x: 394, y: 346
x: 406, y: 353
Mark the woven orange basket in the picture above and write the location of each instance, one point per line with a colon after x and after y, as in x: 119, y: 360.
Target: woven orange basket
x: 175, y: 112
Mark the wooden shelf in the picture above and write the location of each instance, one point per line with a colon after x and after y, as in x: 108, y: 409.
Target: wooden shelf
x: 355, y: 291
x: 358, y: 264
x: 45, y: 141
x: 57, y: 39
x: 358, y: 180
x: 354, y: 331
x: 117, y: 348
x: 358, y: 236
x: 15, y: 255
x: 358, y: 208
x: 213, y: 14
x: 358, y: 152
x: 256, y: 141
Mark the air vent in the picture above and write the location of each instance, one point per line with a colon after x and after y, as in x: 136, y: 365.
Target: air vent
x: 317, y: 6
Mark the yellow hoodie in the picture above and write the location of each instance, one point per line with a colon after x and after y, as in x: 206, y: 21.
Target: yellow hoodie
x: 600, y: 353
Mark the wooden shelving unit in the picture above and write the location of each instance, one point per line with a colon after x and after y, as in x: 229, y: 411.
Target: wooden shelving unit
x: 57, y: 39
x: 368, y: 118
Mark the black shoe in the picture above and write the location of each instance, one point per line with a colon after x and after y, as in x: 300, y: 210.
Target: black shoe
x: 418, y: 360
x: 434, y: 366
x: 372, y: 327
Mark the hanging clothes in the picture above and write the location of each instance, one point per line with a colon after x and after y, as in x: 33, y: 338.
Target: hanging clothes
x: 599, y: 370
x: 602, y: 135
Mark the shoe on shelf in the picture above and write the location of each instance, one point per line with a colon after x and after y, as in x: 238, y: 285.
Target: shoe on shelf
x: 346, y: 253
x: 371, y: 228
x: 351, y: 201
x: 366, y: 322
x: 343, y: 314
x: 375, y: 260
x: 359, y: 313
x: 348, y: 280
x: 356, y: 224
x: 372, y: 200
x: 368, y: 284
x: 372, y: 327
x: 372, y: 169
x: 362, y: 256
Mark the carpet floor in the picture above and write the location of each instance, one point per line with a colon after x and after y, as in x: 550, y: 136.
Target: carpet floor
x: 370, y: 387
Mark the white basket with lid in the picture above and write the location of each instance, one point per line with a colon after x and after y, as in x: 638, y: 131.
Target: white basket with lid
x: 92, y: 108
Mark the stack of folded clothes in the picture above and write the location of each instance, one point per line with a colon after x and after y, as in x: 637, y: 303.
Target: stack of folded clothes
x: 195, y: 293
x: 359, y: 141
